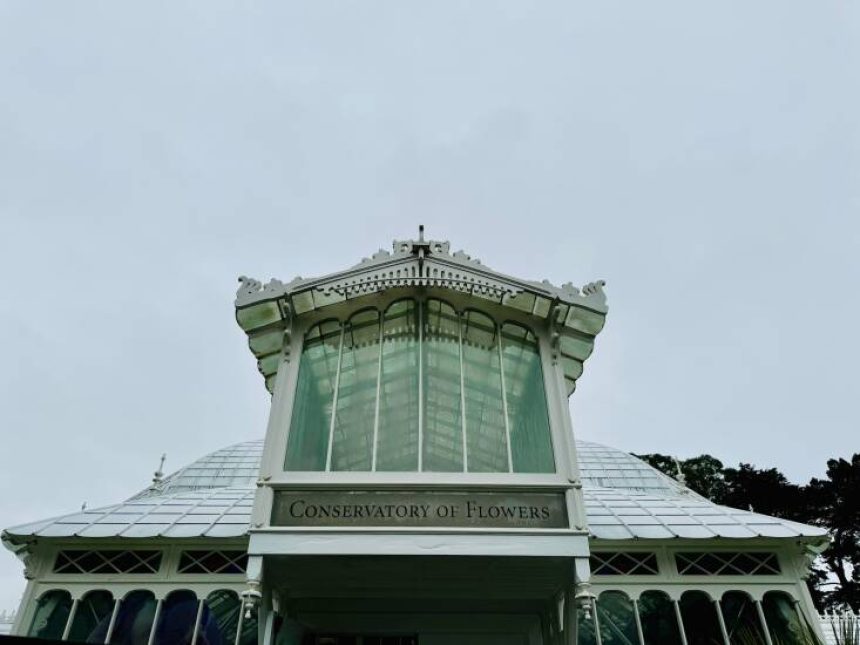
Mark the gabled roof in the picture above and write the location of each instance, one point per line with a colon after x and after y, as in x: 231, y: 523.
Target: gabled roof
x: 625, y: 499
x: 265, y: 312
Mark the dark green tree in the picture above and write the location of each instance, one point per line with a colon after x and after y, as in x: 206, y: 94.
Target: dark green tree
x: 834, y: 503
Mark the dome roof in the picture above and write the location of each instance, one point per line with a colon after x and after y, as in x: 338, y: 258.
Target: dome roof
x: 624, y: 497
x: 237, y: 466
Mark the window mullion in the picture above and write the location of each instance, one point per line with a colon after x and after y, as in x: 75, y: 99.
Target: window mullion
x: 420, y: 305
x: 462, y: 392
x: 504, y: 399
x: 381, y: 320
x: 334, y: 399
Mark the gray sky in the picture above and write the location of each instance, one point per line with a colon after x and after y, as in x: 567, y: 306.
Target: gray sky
x: 702, y: 157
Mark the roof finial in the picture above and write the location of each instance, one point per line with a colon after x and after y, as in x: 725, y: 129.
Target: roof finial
x: 421, y: 233
x: 156, y: 481
x: 84, y: 506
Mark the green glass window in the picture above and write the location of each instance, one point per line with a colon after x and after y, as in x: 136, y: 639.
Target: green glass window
x: 784, y: 621
x: 531, y: 445
x: 699, y: 615
x: 92, y: 617
x: 52, y: 613
x: 616, y: 619
x: 420, y: 387
x: 443, y: 425
x: 397, y: 440
x: 741, y: 618
x: 659, y: 619
x: 355, y: 416
x: 307, y: 448
x: 486, y: 435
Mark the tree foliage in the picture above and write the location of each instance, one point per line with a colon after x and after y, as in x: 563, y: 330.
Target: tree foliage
x: 833, y: 503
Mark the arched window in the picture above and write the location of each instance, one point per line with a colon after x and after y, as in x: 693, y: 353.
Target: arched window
x: 659, y: 620
x: 741, y: 618
x: 784, y: 622
x: 616, y: 619
x: 311, y: 422
x: 51, y: 616
x: 134, y: 619
x: 92, y: 617
x: 699, y: 615
x: 397, y: 438
x: 219, y: 621
x: 443, y: 445
x: 420, y: 387
x: 531, y: 444
x: 177, y: 618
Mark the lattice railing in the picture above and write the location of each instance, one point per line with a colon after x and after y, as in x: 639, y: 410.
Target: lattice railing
x: 624, y: 563
x: 725, y: 563
x: 213, y: 562
x: 108, y: 562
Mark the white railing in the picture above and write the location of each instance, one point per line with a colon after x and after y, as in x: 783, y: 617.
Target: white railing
x: 840, y: 628
x: 6, y: 621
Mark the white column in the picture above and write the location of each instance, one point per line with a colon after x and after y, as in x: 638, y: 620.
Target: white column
x: 197, y: 621
x: 71, y: 617
x: 680, y: 622
x: 334, y: 399
x: 155, y: 620
x: 722, y: 621
x: 112, y: 622
x: 639, y: 631
x: 766, y: 631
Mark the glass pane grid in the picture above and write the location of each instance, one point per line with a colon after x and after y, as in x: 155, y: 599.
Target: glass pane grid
x: 421, y: 386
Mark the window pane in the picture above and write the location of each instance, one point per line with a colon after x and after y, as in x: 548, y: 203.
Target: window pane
x: 52, y: 613
x: 134, y: 619
x: 528, y: 419
x: 741, y: 618
x: 397, y: 443
x: 699, y: 614
x: 486, y: 441
x: 783, y: 621
x: 92, y: 618
x: 307, y: 446
x: 220, y: 618
x: 659, y: 621
x: 616, y: 619
x: 352, y: 447
x: 443, y: 425
x: 176, y: 622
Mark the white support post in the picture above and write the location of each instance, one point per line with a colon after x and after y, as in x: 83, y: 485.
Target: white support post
x: 680, y: 622
x: 112, y: 622
x: 375, y: 445
x: 70, y: 619
x: 419, y: 304
x: 639, y: 632
x: 761, y: 618
x: 462, y: 394
x: 334, y: 399
x: 155, y: 620
x: 197, y: 621
x: 722, y: 621
x: 597, y: 637
x: 504, y: 397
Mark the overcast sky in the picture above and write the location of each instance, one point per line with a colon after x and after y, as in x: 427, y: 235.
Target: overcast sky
x: 701, y: 157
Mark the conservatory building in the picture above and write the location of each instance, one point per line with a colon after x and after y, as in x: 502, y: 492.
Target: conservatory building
x: 419, y: 483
